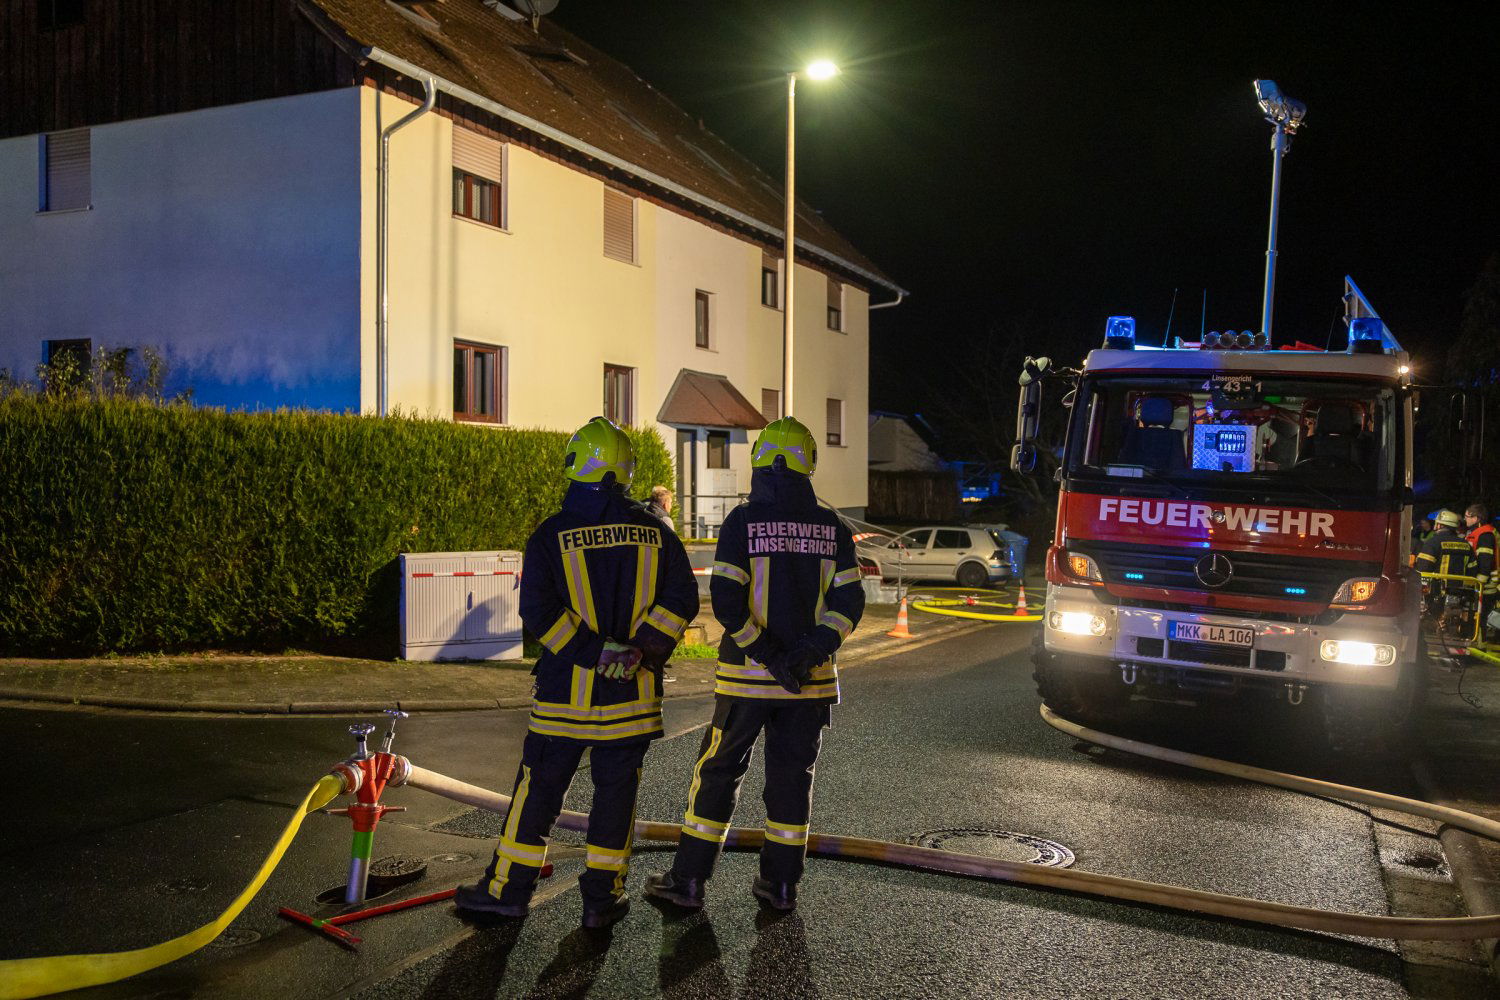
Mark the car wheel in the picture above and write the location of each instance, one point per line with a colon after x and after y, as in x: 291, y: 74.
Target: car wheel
x: 972, y: 574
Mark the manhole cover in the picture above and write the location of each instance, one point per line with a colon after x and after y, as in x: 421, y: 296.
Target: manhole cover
x: 181, y: 885
x: 397, y: 868
x: 451, y: 859
x: 1002, y: 844
x: 235, y: 937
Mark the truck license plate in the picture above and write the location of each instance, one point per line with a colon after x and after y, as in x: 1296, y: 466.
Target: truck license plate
x: 1224, y: 635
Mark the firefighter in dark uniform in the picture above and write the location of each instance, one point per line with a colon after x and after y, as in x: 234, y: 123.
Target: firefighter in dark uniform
x: 1447, y: 552
x: 609, y: 592
x: 786, y: 587
x: 1481, y: 538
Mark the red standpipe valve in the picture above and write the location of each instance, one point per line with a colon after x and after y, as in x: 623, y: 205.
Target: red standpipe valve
x: 366, y: 775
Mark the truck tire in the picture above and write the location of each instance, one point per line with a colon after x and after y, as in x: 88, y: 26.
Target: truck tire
x: 1075, y: 694
x: 1376, y: 724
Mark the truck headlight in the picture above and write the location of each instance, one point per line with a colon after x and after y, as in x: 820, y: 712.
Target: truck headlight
x: 1359, y: 590
x: 1077, y: 623
x: 1359, y: 654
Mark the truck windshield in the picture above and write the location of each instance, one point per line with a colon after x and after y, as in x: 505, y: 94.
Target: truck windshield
x: 1294, y: 438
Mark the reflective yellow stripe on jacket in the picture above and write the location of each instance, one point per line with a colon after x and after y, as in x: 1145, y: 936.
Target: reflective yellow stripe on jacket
x: 751, y: 680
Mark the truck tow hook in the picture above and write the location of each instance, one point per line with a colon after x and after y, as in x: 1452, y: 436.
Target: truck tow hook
x: 1294, y: 693
x: 1127, y: 674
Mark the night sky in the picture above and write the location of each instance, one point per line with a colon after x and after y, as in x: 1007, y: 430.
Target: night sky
x: 1040, y: 166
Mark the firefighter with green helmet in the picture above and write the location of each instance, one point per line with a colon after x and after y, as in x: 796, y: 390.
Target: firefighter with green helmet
x: 1446, y: 552
x: 786, y: 587
x: 608, y: 591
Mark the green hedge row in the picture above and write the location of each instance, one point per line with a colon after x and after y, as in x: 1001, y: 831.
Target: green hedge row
x: 127, y: 525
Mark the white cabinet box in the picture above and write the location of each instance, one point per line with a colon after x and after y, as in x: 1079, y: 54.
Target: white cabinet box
x: 460, y: 605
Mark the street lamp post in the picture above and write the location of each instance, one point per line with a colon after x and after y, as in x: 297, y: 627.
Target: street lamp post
x: 820, y: 70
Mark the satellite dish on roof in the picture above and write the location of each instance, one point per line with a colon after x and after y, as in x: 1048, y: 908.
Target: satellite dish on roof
x: 535, y: 8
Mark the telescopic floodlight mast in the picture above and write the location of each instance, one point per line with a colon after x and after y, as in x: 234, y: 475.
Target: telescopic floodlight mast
x: 1285, y: 116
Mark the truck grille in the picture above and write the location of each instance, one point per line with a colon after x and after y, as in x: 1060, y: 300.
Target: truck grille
x: 1207, y: 652
x: 1255, y: 574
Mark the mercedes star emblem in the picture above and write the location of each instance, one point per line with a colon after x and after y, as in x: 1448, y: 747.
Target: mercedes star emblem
x: 1214, y: 570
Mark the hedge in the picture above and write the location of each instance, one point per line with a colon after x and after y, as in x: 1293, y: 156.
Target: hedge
x: 127, y: 525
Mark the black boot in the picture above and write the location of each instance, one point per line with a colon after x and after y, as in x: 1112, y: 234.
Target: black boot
x: 684, y: 892
x: 777, y: 895
x: 475, y: 900
x: 599, y: 917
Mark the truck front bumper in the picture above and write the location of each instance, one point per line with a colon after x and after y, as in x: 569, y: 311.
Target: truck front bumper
x: 1077, y: 624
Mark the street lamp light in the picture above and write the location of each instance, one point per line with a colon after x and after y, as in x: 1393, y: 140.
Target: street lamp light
x: 822, y: 69
x: 1285, y: 116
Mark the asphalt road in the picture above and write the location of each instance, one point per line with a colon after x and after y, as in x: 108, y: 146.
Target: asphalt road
x: 127, y: 829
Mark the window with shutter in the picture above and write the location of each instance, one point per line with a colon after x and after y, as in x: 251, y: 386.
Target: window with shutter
x: 478, y: 177
x: 67, y: 174
x: 835, y: 305
x: 770, y: 404
x: 619, y: 225
x: 836, y: 422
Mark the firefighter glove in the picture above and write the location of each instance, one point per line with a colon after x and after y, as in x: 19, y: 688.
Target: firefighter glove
x: 618, y: 662
x: 782, y: 667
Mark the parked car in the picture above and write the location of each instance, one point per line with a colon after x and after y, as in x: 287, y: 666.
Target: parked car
x: 973, y: 557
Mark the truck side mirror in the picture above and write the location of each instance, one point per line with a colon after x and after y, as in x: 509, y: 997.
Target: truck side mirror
x: 1028, y: 414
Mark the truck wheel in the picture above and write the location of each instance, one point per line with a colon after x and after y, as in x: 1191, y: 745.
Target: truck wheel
x: 1376, y: 724
x: 972, y: 575
x: 1074, y: 694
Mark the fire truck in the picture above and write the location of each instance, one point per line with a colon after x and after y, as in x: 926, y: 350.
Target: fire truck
x: 1234, y: 519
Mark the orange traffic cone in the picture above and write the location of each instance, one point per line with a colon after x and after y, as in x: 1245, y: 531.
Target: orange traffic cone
x: 901, y: 631
x: 1021, y: 602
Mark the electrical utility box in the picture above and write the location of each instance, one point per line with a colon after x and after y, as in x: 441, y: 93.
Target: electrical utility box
x: 460, y: 605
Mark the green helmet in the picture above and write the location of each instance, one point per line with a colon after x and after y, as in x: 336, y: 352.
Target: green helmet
x: 789, y: 439
x: 1447, y: 519
x: 597, y: 449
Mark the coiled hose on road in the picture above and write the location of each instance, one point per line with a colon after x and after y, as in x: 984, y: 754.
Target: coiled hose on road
x: 33, y: 977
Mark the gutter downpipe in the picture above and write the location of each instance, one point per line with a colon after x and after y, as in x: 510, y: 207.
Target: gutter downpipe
x: 383, y: 244
x: 900, y: 294
x: 400, y: 65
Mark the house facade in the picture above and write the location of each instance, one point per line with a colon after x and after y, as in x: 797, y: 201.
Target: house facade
x: 204, y: 179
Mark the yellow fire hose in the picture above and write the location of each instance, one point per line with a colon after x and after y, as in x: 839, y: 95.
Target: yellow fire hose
x: 35, y: 977
x: 974, y: 598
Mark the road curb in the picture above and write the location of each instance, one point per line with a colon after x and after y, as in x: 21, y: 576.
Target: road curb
x: 873, y: 651
x: 1475, y: 876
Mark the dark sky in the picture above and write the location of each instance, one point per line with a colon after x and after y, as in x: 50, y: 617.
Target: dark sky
x: 1050, y: 164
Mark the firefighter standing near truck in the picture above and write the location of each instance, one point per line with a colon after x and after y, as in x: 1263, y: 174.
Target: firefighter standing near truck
x: 609, y: 592
x: 1481, y: 538
x: 1447, y: 553
x: 787, y: 589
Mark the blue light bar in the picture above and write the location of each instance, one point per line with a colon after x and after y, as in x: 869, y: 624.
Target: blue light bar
x: 1135, y: 576
x: 1366, y: 328
x: 1299, y: 591
x: 1119, y: 333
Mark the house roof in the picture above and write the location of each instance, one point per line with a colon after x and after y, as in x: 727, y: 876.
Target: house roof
x: 698, y: 399
x: 561, y: 82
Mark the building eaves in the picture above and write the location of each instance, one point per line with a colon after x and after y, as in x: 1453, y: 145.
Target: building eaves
x: 588, y: 103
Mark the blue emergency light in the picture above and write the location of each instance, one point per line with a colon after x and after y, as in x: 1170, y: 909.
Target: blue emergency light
x: 1366, y: 335
x: 1298, y: 591
x: 1119, y: 333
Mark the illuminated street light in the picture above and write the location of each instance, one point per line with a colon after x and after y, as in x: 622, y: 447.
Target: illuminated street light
x: 821, y: 69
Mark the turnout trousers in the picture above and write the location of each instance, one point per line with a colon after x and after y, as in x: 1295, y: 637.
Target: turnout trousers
x: 794, y: 734
x: 547, y: 768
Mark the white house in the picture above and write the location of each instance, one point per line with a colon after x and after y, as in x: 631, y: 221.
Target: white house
x: 563, y: 241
